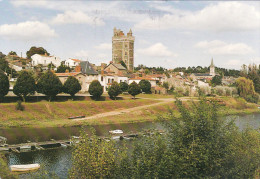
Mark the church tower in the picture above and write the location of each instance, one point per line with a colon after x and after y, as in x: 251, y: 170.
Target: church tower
x: 123, y: 48
x: 212, y: 68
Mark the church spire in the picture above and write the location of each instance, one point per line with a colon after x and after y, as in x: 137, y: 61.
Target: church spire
x: 212, y: 64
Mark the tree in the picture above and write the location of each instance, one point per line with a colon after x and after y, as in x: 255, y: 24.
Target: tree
x: 49, y: 84
x: 253, y: 74
x: 166, y: 86
x: 51, y: 66
x: 246, y: 89
x: 123, y: 86
x: 71, y: 86
x: 36, y: 50
x: 12, y: 53
x: 62, y: 68
x: 25, y: 85
x: 216, y: 80
x: 4, y: 85
x: 95, y: 89
x: 134, y: 89
x: 123, y: 64
x: 145, y: 86
x: 114, y: 90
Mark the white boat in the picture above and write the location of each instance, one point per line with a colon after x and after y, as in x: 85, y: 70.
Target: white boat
x: 117, y: 131
x: 24, y: 168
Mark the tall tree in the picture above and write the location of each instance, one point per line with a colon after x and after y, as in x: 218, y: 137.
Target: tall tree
x: 36, y: 50
x: 216, y: 80
x: 166, y: 85
x: 114, y: 90
x: 134, y: 89
x: 49, y: 84
x: 145, y: 86
x: 71, y: 86
x: 12, y: 53
x: 62, y: 68
x: 95, y: 89
x: 25, y: 85
x: 4, y: 85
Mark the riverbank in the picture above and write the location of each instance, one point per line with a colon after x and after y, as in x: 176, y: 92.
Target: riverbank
x: 126, y: 110
x: 4, y: 169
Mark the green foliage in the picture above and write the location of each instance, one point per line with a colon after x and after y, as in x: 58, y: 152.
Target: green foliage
x: 95, y: 89
x: 4, y: 85
x: 36, y: 50
x: 216, y: 80
x: 93, y: 158
x: 134, y: 89
x: 19, y: 106
x: 4, y: 66
x: 12, y: 53
x: 123, y: 86
x: 145, y: 86
x: 49, y: 84
x: 62, y: 68
x: 123, y: 64
x: 246, y: 89
x: 114, y: 90
x: 25, y: 85
x: 71, y: 86
x: 166, y: 85
x: 51, y: 66
x: 4, y: 169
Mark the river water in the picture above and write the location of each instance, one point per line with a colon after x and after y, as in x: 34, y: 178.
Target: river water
x: 58, y: 161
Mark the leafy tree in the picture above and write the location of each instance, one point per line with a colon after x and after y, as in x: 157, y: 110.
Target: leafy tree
x: 166, y: 86
x: 95, y: 89
x: 114, y: 90
x: 51, y: 66
x: 36, y: 50
x: 216, y: 80
x: 123, y: 86
x: 12, y: 53
x: 25, y: 85
x: 253, y: 74
x: 123, y: 64
x: 71, y: 86
x: 246, y: 89
x: 62, y: 68
x: 134, y: 89
x: 145, y: 86
x: 49, y: 84
x: 4, y: 85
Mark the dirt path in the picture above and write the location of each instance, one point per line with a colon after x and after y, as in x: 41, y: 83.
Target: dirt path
x: 122, y: 111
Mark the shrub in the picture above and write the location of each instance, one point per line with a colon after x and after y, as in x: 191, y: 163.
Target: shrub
x: 71, y: 86
x: 114, y: 90
x: 145, y: 86
x: 220, y: 90
x: 19, y: 106
x: 134, y: 89
x: 95, y: 89
x: 123, y: 86
x: 4, y: 85
x: 252, y: 98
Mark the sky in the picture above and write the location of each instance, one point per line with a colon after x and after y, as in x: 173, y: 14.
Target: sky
x: 167, y: 33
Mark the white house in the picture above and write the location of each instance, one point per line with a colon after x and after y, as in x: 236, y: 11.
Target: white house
x: 72, y: 62
x: 44, y: 60
x: 107, y: 79
x: 138, y: 79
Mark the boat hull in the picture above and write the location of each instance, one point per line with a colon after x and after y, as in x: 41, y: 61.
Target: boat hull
x: 24, y: 168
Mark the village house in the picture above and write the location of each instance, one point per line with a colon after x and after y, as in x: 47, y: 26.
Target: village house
x: 72, y: 63
x: 106, y: 80
x: 116, y: 69
x: 138, y: 79
x: 205, y: 76
x: 45, y: 60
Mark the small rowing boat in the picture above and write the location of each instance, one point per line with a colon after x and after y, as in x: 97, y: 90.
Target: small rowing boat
x: 24, y: 168
x: 117, y: 131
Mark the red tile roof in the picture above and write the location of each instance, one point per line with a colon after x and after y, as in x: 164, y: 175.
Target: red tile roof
x: 76, y: 60
x: 67, y: 74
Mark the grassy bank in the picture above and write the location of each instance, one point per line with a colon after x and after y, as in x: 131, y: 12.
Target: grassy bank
x: 55, y: 114
x: 4, y: 170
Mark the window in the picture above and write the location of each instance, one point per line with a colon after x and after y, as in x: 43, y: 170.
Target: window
x: 101, y: 78
x: 108, y: 80
x: 112, y: 80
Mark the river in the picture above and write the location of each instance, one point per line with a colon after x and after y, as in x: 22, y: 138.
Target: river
x: 58, y: 161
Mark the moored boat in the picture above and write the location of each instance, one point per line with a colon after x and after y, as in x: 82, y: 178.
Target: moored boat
x: 24, y: 168
x: 117, y: 131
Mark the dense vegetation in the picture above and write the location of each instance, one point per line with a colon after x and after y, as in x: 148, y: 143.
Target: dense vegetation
x: 36, y: 50
x: 114, y: 90
x: 95, y: 89
x: 134, y: 89
x: 4, y: 85
x: 145, y: 86
x: 198, y: 145
x: 71, y: 86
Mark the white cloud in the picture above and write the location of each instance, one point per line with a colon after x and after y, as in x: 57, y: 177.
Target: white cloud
x: 76, y: 17
x: 217, y: 47
x: 157, y: 50
x: 104, y: 46
x: 82, y: 54
x: 223, y: 16
x: 29, y: 30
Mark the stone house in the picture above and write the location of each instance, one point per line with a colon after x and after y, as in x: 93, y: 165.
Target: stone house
x: 116, y: 69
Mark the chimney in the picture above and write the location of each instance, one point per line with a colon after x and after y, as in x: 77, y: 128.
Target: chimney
x: 103, y: 65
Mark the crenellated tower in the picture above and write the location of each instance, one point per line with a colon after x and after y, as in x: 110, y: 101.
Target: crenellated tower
x: 123, y: 48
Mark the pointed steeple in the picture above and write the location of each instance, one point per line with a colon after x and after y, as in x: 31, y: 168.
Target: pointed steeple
x: 212, y: 64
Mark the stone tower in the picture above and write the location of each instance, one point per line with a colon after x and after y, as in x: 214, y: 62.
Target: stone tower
x: 123, y: 48
x: 212, y: 68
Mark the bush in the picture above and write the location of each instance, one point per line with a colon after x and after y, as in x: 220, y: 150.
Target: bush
x: 95, y: 89
x: 145, y: 86
x: 134, y: 89
x: 252, y: 98
x: 19, y: 106
x: 71, y: 86
x: 123, y: 86
x: 114, y: 90
x: 220, y: 90
x: 4, y: 85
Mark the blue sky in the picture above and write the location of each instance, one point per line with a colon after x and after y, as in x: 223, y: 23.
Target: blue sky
x: 167, y: 33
